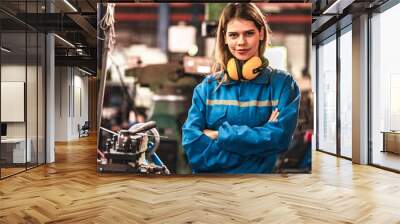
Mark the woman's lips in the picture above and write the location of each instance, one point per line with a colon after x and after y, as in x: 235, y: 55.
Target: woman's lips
x: 243, y: 51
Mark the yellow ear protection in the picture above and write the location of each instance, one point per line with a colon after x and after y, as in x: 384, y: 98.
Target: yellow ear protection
x: 237, y: 70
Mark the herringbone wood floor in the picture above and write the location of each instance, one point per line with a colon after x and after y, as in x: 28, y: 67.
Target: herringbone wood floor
x: 70, y: 191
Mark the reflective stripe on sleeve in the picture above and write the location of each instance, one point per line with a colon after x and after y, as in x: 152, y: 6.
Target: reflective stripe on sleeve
x: 252, y: 103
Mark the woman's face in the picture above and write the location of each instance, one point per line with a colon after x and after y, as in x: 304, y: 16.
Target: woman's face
x: 243, y: 38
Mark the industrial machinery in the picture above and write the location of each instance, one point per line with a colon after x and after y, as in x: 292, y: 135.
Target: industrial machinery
x: 132, y: 150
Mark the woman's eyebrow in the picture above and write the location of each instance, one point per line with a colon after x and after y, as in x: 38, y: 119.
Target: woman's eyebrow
x: 244, y: 31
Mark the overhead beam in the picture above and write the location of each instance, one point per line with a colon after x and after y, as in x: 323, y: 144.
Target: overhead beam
x: 83, y: 61
x: 320, y: 23
x: 337, y: 7
x: 83, y: 23
x: 74, y: 14
x: 44, y: 22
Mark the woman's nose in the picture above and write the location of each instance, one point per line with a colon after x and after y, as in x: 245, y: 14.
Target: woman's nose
x: 242, y: 40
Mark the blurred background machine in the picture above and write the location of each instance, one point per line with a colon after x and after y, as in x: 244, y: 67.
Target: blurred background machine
x: 171, y: 96
x: 132, y: 150
x: 157, y: 92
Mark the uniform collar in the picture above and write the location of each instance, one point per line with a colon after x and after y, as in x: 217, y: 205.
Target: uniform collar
x: 263, y: 78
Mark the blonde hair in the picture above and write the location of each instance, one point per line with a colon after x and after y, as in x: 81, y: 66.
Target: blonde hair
x: 247, y: 11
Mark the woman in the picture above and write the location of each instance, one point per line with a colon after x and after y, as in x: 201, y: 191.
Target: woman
x: 244, y: 115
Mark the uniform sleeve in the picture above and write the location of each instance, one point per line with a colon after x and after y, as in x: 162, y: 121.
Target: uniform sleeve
x: 272, y: 136
x: 203, y: 153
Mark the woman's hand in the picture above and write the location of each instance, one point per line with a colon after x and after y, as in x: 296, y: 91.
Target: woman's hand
x: 211, y: 133
x: 214, y: 134
x: 274, y: 116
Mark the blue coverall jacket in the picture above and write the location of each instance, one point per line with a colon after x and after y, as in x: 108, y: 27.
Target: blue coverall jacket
x: 239, y: 111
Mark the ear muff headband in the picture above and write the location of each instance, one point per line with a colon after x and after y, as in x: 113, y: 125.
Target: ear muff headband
x: 248, y: 71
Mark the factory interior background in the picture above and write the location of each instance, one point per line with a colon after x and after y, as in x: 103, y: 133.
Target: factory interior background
x: 155, y: 64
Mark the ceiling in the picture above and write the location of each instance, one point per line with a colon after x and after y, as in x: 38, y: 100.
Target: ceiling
x: 76, y: 21
x: 72, y: 20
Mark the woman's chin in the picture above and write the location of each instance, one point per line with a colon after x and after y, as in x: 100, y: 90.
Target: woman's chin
x: 242, y: 57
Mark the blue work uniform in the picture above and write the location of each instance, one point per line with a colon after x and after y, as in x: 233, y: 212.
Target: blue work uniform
x: 239, y: 111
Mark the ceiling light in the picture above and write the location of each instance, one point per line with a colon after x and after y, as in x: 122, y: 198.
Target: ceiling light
x: 337, y: 7
x: 84, y: 71
x: 5, y: 50
x: 65, y: 41
x: 70, y: 5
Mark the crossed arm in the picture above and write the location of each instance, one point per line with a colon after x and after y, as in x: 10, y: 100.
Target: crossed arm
x: 214, y: 134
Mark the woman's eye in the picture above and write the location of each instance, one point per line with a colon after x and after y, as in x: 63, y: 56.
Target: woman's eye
x: 233, y: 35
x: 249, y: 33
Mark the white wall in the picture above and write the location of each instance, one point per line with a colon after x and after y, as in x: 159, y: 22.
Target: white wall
x: 61, y: 103
x: 34, y: 124
x: 13, y: 73
x: 80, y: 112
x: 71, y: 102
